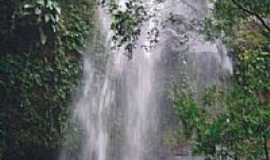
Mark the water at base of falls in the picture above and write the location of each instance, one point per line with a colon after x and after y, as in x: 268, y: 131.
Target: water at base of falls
x: 122, y: 103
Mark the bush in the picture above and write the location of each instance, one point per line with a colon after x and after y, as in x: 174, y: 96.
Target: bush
x: 240, y: 131
x: 39, y: 69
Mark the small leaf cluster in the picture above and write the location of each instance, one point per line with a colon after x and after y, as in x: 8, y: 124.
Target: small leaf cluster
x: 127, y: 24
x: 78, y: 24
x: 45, y: 14
x: 35, y: 23
x: 127, y: 21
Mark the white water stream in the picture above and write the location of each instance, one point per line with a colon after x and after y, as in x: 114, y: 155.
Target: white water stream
x: 119, y: 109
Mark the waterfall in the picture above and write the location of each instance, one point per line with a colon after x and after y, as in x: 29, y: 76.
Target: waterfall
x: 122, y: 102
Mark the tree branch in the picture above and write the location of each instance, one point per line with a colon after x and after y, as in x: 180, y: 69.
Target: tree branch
x: 266, y: 148
x: 262, y: 21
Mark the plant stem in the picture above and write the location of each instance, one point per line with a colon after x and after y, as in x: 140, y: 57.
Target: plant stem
x: 265, y: 25
x: 266, y: 148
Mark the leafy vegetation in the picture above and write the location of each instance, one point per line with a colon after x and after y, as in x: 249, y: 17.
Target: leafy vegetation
x: 240, y: 130
x: 39, y: 69
x: 127, y: 20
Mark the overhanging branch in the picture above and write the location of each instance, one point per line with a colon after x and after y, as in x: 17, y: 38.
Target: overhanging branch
x: 262, y: 21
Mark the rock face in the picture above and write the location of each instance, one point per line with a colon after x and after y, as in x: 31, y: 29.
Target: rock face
x: 188, y: 158
x: 186, y: 58
x: 124, y: 111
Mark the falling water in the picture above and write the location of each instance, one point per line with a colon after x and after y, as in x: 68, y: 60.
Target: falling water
x: 122, y: 102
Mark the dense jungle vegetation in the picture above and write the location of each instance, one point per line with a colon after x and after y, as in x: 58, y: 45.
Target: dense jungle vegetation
x: 39, y: 69
x: 40, y: 43
x: 239, y: 128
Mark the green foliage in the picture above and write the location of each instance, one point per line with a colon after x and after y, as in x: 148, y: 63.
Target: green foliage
x: 189, y: 115
x: 45, y: 14
x: 252, y: 53
x: 35, y: 92
x: 253, y: 70
x: 39, y: 69
x: 39, y: 24
x: 240, y: 129
x: 78, y: 23
x: 34, y: 23
x: 228, y: 15
x: 127, y: 24
x: 127, y: 21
